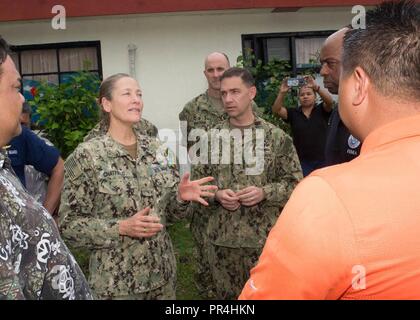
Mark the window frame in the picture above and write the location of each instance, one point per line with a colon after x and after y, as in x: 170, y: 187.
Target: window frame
x: 259, y: 44
x: 18, y: 49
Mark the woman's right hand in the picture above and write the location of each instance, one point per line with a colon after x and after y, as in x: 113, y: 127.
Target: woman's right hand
x: 140, y: 225
x: 284, y: 88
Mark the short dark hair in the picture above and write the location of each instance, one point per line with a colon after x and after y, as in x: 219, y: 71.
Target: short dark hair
x: 242, y: 73
x: 4, y: 51
x: 306, y: 87
x: 388, y: 49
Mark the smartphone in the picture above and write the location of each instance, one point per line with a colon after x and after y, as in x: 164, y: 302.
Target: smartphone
x: 296, y: 82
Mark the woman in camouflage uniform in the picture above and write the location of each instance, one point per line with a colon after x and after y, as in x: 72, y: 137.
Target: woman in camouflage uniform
x: 118, y: 190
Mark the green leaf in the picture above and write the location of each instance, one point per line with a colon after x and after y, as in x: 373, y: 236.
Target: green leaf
x: 63, y: 108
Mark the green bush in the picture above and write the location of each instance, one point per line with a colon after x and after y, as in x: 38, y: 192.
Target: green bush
x: 67, y: 111
x: 268, y: 78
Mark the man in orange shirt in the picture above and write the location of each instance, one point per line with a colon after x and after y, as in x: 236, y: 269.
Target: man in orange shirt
x: 350, y: 231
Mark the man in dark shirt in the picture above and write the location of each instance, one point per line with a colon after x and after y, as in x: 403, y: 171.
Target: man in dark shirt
x: 341, y: 146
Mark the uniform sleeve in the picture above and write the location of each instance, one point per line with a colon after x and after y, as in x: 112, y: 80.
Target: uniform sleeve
x: 199, y: 171
x: 186, y: 116
x: 168, y: 180
x: 39, y: 154
x: 257, y: 110
x: 148, y: 128
x: 78, y: 225
x: 308, y: 252
x: 175, y: 209
x: 96, y: 131
x: 287, y: 170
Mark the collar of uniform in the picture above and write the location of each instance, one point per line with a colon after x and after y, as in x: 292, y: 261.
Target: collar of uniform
x: 205, y: 104
x: 391, y: 132
x: 257, y: 122
x: 103, y: 126
x: 115, y: 149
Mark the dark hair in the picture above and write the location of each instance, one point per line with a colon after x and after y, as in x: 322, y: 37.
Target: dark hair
x: 4, y: 51
x: 306, y: 87
x: 244, y: 74
x: 105, y: 91
x: 388, y: 49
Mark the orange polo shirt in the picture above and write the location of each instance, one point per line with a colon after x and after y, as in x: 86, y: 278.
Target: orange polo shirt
x: 350, y: 231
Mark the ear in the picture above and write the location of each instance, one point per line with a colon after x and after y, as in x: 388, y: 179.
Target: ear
x: 361, y: 85
x: 252, y: 92
x: 106, y: 104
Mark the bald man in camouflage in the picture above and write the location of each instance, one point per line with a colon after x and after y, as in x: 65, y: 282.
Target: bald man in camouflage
x: 204, y: 112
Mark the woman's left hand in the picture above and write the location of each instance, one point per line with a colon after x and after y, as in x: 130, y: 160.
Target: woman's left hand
x: 195, y: 190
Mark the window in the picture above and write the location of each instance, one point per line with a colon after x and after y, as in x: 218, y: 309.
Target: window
x: 301, y: 49
x: 55, y: 63
x: 278, y: 48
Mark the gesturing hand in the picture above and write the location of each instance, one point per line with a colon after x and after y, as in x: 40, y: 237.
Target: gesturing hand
x: 311, y: 83
x: 228, y: 199
x: 140, y: 225
x: 195, y: 190
x: 284, y: 87
x: 250, y: 196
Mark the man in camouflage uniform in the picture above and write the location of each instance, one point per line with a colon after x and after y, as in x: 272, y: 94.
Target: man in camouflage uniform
x: 252, y: 190
x: 203, y: 113
x: 34, y: 261
x: 105, y: 186
x: 144, y: 127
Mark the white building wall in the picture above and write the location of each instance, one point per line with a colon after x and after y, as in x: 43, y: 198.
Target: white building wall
x: 172, y: 47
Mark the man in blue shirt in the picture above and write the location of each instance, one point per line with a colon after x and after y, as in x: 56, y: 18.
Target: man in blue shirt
x: 29, y: 149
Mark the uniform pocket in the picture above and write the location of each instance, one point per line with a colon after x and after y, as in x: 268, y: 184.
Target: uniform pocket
x: 115, y: 185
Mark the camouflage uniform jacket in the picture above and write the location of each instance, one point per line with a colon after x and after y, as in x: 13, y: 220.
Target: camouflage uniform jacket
x: 200, y: 113
x: 144, y: 127
x: 248, y: 227
x: 103, y: 185
x: 34, y: 261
